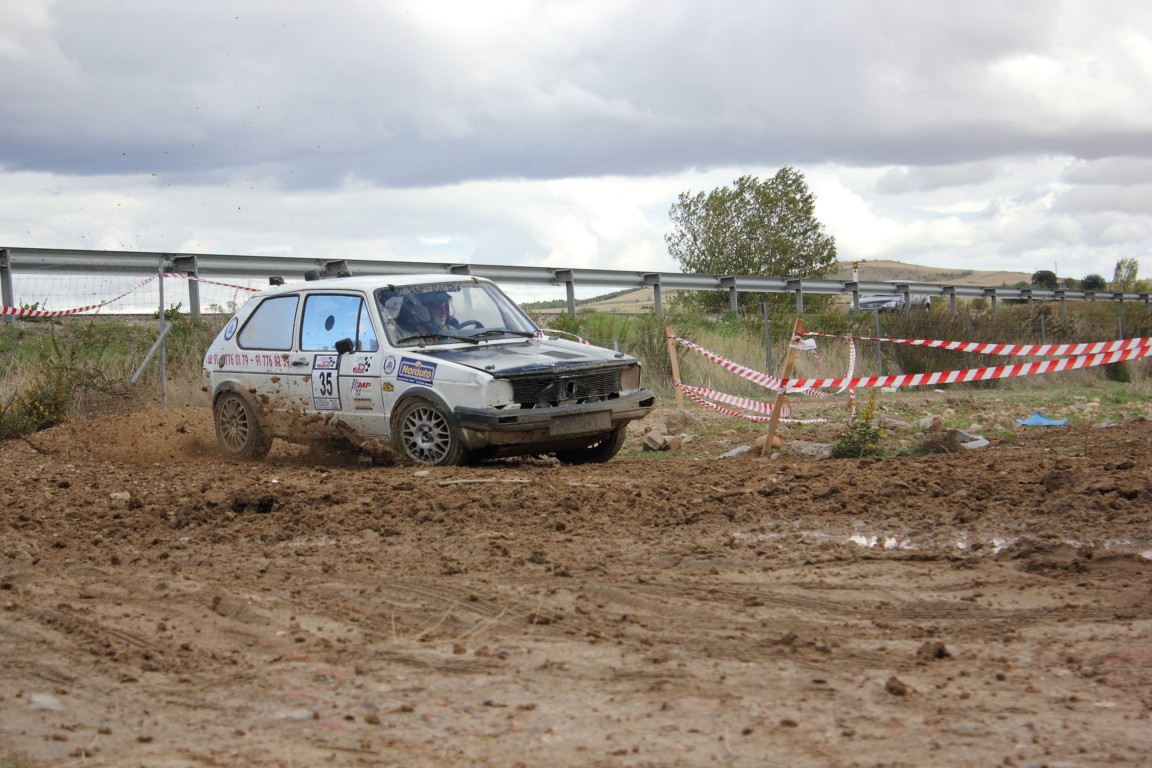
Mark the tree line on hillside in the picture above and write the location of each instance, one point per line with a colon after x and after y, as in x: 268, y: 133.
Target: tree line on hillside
x: 1123, y: 279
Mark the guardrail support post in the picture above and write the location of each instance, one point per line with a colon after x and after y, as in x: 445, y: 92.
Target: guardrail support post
x: 565, y: 276
x: 798, y: 287
x: 854, y: 289
x: 653, y: 280
x: 187, y: 265
x: 336, y: 268
x: 905, y: 292
x: 729, y: 284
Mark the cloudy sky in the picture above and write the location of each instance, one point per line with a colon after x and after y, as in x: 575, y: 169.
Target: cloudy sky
x: 982, y: 135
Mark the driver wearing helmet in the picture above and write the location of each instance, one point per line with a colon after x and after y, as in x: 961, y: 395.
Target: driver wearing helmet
x: 438, y: 306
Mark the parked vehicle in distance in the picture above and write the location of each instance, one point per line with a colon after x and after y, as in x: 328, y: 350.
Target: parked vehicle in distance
x: 446, y: 369
x: 892, y: 303
x: 881, y: 303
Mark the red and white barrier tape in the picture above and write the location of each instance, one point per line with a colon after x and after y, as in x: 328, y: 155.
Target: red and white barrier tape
x: 74, y: 311
x: 213, y: 282
x: 756, y: 377
x: 979, y: 374
x: 747, y: 403
x: 691, y: 393
x: 1034, y: 350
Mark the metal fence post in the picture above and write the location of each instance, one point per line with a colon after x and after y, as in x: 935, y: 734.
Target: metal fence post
x: 767, y: 339
x: 879, y: 351
x: 160, y: 341
x: 6, y: 291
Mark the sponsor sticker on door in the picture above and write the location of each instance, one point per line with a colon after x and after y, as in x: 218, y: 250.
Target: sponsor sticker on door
x: 416, y: 371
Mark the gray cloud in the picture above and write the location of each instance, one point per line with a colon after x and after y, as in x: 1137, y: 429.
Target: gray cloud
x: 385, y: 93
x: 902, y: 179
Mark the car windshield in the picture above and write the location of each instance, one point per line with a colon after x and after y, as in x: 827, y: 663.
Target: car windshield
x: 450, y: 313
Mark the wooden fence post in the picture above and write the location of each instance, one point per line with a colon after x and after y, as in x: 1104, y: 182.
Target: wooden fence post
x: 797, y: 329
x: 675, y: 368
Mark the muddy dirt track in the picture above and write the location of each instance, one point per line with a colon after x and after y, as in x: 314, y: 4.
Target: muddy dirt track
x: 162, y: 607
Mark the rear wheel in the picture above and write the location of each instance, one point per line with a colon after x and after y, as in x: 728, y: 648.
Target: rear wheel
x: 426, y: 435
x: 597, y: 453
x: 238, y: 431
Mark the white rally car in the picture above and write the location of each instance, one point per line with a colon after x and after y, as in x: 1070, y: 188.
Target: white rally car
x: 448, y: 369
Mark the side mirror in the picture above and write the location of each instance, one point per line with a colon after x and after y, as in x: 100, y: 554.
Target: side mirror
x: 345, y: 347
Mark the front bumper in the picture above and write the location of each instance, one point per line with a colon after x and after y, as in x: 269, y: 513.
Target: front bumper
x: 551, y: 427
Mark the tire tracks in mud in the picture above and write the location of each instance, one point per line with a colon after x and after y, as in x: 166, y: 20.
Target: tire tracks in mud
x: 935, y: 610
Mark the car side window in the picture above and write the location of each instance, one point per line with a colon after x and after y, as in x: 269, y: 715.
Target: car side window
x: 270, y: 326
x: 366, y: 340
x: 331, y: 317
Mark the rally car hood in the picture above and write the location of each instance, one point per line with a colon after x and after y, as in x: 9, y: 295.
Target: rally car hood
x: 530, y: 356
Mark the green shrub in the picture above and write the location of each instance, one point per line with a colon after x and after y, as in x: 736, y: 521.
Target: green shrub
x: 863, y: 436
x: 56, y: 371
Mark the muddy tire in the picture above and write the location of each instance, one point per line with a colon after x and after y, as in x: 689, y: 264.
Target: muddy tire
x: 238, y: 430
x: 597, y: 453
x: 425, y: 434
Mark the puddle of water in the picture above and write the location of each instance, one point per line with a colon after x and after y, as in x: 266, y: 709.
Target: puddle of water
x: 993, y: 546
x: 320, y: 542
x: 883, y: 542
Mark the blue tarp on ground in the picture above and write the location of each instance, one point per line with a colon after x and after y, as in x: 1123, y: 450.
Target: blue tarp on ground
x: 1038, y: 419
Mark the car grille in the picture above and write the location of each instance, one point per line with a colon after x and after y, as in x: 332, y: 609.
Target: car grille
x: 551, y: 388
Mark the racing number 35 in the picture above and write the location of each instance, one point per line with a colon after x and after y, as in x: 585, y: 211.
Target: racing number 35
x: 325, y: 387
x: 324, y: 382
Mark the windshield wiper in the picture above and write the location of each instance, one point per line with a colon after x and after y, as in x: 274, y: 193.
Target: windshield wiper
x: 422, y: 336
x: 501, y: 332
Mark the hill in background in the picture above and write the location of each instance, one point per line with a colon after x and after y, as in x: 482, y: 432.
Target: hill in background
x: 885, y: 271
x: 641, y: 300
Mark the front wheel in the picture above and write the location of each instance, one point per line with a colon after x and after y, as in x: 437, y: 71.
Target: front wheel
x: 238, y: 430
x: 597, y: 453
x: 426, y: 435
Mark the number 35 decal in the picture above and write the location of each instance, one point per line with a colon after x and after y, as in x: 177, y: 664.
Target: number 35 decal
x: 326, y: 383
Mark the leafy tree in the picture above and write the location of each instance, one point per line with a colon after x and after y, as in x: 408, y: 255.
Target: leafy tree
x: 754, y: 227
x: 1093, y: 282
x: 1046, y: 279
x: 1124, y: 275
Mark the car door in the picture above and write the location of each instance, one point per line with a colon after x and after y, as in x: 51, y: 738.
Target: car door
x: 343, y: 387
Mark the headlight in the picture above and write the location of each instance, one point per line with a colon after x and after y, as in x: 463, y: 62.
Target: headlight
x: 630, y: 378
x: 497, y: 393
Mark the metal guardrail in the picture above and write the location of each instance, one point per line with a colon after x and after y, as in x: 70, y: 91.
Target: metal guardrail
x: 209, y: 265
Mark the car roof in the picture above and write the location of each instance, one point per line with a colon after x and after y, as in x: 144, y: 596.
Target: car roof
x: 369, y: 282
